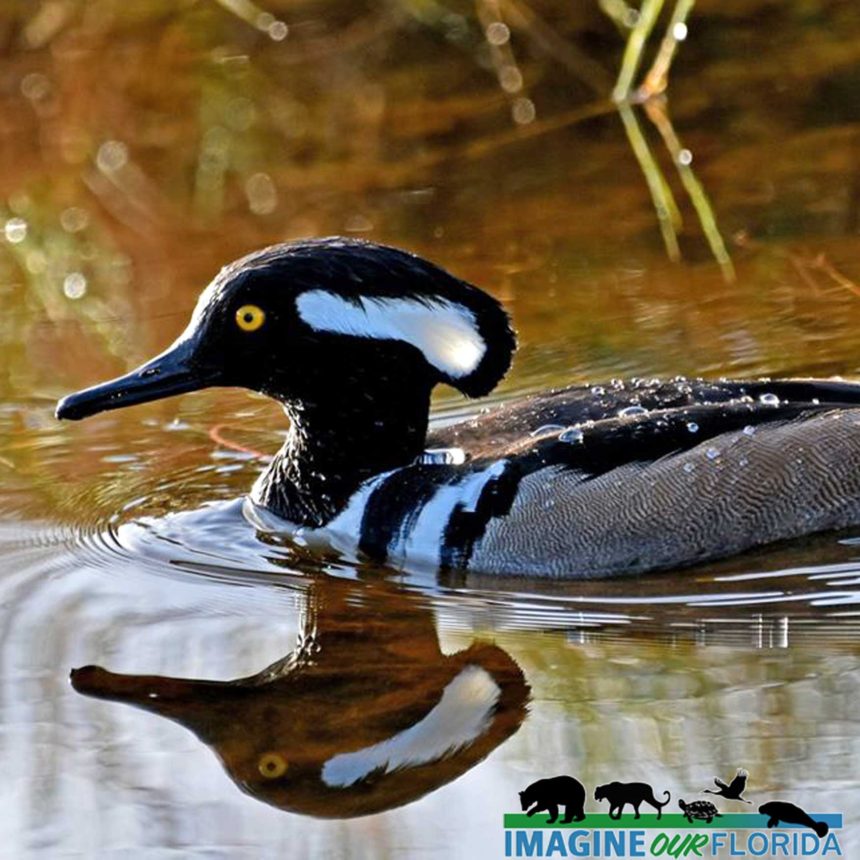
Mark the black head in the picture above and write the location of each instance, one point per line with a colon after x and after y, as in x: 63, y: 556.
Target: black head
x: 302, y: 321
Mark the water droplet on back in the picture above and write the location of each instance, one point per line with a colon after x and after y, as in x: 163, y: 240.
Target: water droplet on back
x: 692, y: 427
x: 442, y: 457
x: 573, y: 436
x: 547, y: 428
x: 630, y: 411
x: 769, y: 399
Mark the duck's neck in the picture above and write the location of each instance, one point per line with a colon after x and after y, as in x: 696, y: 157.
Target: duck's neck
x: 336, y: 444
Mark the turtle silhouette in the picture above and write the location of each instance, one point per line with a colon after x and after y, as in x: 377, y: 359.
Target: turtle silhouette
x: 732, y: 790
x: 702, y: 810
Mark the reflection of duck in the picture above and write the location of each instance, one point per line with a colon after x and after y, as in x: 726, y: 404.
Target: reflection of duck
x: 367, y: 714
x: 352, y: 337
x: 732, y: 790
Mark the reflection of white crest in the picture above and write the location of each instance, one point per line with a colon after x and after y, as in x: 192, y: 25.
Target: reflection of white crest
x: 444, y: 331
x: 461, y: 715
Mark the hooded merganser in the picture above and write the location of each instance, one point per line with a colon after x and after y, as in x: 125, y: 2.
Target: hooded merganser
x: 351, y: 337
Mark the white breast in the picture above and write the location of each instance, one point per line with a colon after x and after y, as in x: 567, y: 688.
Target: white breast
x: 424, y: 541
x: 419, y: 538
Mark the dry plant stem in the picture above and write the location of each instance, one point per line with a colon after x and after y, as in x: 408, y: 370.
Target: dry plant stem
x: 507, y: 71
x: 802, y: 264
x: 482, y: 146
x: 655, y: 108
x: 245, y: 10
x: 668, y: 215
x: 524, y: 18
x: 635, y: 46
x: 823, y: 264
x: 799, y: 266
x: 216, y: 436
x: 350, y: 37
x: 657, y: 78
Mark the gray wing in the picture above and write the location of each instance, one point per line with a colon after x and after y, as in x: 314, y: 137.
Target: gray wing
x: 731, y: 492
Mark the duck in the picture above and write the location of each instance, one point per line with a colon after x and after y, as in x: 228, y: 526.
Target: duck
x: 586, y: 481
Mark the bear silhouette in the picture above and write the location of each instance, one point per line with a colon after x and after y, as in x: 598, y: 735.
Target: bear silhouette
x: 635, y: 793
x: 549, y: 794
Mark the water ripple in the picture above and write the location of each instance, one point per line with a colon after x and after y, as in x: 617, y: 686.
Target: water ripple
x: 178, y: 517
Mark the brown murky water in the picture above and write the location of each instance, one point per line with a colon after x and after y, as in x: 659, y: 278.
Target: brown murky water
x: 143, y: 145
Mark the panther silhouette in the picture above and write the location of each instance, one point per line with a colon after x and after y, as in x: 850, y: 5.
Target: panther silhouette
x: 619, y: 794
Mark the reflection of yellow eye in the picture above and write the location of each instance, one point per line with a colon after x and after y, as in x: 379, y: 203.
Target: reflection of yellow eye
x: 250, y: 317
x: 272, y: 765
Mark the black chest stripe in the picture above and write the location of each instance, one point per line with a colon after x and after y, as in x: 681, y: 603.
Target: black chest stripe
x: 467, y: 526
x: 395, y: 504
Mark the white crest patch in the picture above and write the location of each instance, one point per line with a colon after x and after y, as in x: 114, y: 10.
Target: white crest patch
x: 458, y: 719
x: 444, y: 331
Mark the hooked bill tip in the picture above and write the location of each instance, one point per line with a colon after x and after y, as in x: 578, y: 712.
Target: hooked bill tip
x: 80, y: 677
x: 66, y: 411
x: 81, y: 404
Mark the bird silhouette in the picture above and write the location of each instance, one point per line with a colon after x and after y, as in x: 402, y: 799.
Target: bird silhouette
x: 733, y: 790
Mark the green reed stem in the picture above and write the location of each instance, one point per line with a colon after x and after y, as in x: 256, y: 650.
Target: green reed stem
x: 658, y: 75
x: 635, y: 46
x: 682, y: 159
x: 668, y: 214
x: 620, y: 13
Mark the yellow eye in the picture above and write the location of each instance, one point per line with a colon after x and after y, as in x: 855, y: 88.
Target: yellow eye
x: 250, y: 317
x: 272, y: 765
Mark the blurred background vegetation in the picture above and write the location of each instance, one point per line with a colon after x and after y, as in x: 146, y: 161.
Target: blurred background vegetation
x: 143, y: 145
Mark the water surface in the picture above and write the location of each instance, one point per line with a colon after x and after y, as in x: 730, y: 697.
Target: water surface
x: 145, y: 146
